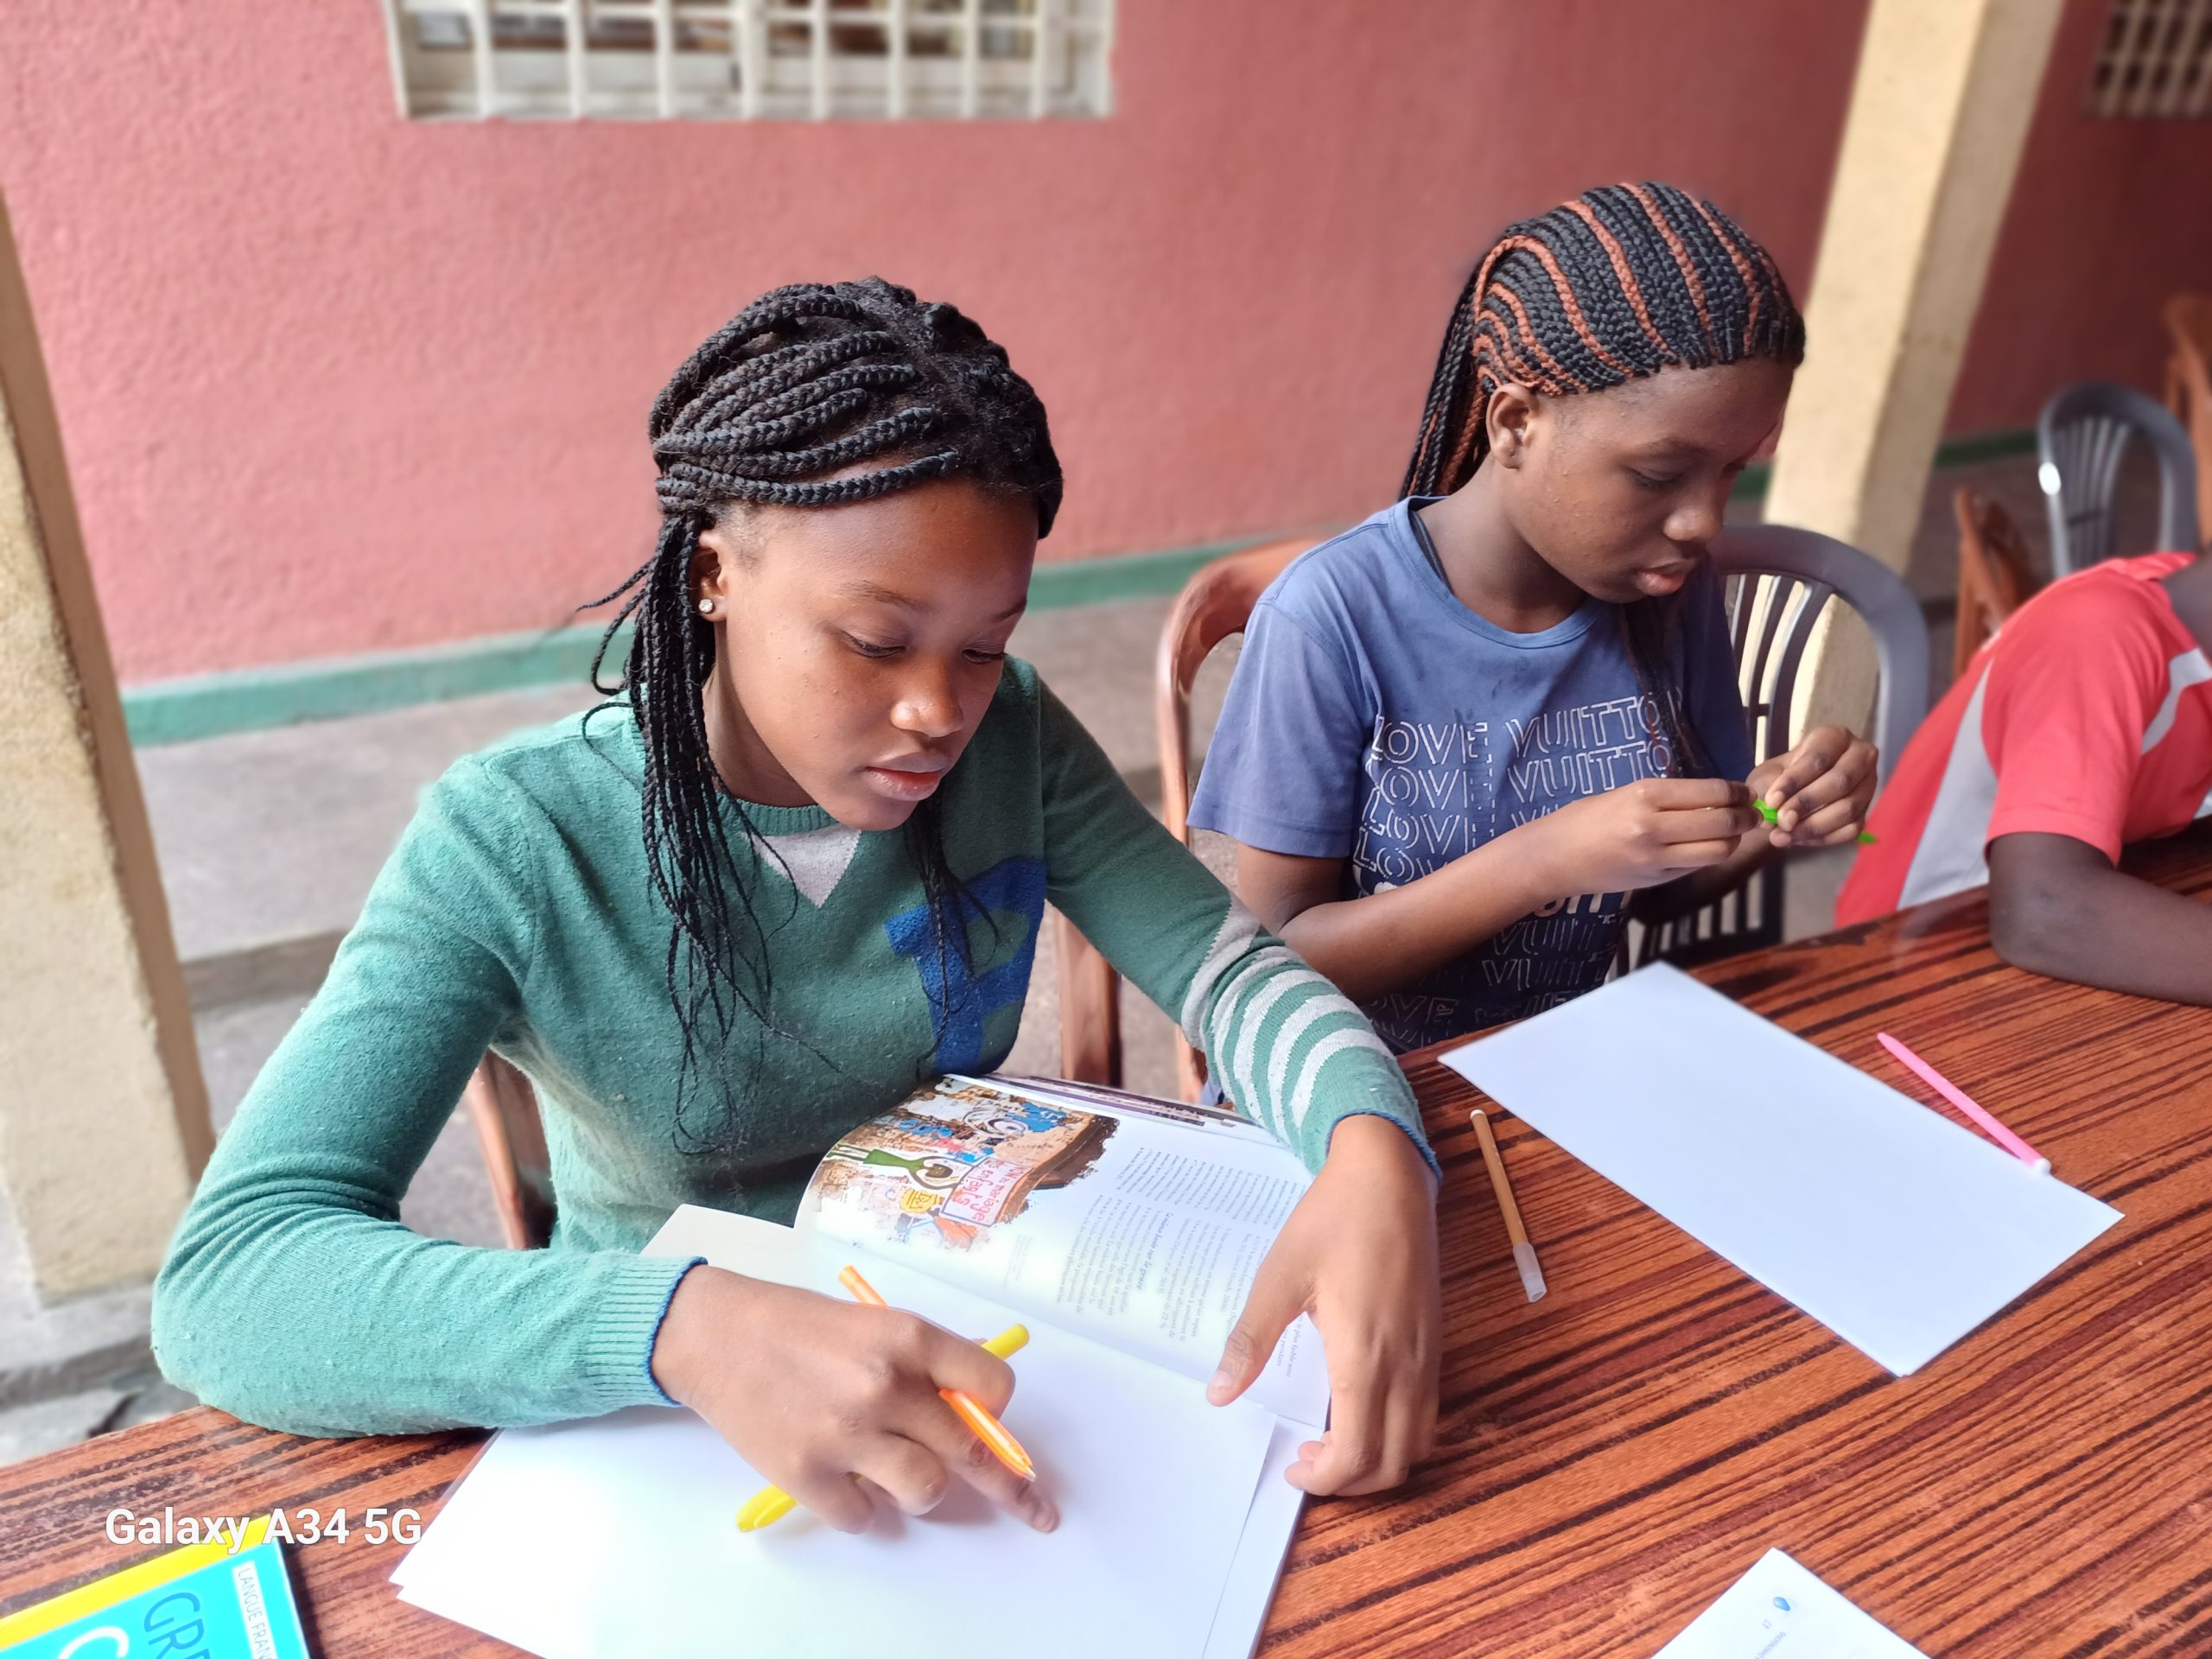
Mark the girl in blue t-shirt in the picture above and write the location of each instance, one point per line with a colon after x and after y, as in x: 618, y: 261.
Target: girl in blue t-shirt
x: 1464, y: 735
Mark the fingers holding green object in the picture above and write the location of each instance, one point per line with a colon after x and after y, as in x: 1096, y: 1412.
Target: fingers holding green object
x: 1832, y: 827
x: 1817, y: 755
x: 1824, y: 784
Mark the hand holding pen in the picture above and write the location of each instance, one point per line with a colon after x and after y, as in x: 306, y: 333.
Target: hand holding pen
x: 833, y: 1400
x: 772, y: 1504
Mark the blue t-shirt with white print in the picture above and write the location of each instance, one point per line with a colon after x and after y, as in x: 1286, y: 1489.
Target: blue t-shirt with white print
x: 1374, y: 717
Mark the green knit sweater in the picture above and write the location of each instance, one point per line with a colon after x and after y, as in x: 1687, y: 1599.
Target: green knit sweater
x: 515, y: 916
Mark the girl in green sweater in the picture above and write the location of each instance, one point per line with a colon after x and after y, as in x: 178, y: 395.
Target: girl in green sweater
x: 798, y: 866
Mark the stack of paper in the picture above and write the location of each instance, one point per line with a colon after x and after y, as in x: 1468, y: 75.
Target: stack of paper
x: 1897, y: 1229
x: 616, y: 1536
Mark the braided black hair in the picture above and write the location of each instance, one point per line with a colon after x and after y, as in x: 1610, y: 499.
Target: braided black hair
x: 814, y: 396
x: 1616, y: 285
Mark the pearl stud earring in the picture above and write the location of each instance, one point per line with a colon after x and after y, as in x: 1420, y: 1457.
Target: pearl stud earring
x: 706, y: 607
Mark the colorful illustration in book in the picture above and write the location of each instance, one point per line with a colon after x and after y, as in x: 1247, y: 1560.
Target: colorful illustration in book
x: 953, y: 1161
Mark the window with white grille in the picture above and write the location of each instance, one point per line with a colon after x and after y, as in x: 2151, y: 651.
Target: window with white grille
x: 2156, y: 60
x: 802, y: 60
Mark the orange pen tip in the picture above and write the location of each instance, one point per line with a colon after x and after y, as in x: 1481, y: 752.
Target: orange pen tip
x: 861, y: 1291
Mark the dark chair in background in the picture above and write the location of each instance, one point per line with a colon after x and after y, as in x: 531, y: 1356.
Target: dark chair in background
x: 1993, y: 574
x: 2083, y: 434
x: 1779, y: 581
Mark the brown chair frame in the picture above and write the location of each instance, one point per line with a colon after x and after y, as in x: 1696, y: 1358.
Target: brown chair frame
x: 511, y: 1133
x: 1090, y: 1008
x: 1214, y: 604
x: 1993, y: 577
x: 2189, y: 387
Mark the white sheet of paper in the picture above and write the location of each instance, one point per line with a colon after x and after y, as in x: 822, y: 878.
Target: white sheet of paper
x: 615, y: 1535
x: 1779, y: 1611
x: 1895, y: 1228
x: 1242, y: 1613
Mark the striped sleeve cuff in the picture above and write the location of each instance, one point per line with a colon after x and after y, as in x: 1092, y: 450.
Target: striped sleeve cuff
x: 1287, y: 1048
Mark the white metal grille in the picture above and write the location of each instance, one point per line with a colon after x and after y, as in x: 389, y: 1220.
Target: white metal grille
x: 2156, y: 60
x: 788, y: 60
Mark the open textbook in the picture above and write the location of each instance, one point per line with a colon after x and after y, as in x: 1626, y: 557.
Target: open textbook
x: 1125, y: 1233
x: 1137, y: 1223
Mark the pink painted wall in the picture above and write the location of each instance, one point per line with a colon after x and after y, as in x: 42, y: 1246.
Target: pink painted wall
x: 2107, y: 219
x: 336, y: 382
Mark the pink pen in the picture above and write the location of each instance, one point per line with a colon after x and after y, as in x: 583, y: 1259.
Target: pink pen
x: 1958, y: 1097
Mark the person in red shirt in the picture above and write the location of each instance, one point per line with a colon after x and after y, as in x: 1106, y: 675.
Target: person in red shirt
x: 2084, y: 725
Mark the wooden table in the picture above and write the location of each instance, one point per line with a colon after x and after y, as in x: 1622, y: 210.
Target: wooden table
x: 1614, y: 1456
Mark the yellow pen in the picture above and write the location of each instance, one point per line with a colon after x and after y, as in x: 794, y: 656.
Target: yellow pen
x: 772, y: 1504
x: 987, y: 1428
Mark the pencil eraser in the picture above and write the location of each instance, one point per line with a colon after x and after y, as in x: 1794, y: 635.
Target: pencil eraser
x: 1532, y: 1276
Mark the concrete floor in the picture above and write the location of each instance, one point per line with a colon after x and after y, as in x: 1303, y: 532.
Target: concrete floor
x: 269, y: 841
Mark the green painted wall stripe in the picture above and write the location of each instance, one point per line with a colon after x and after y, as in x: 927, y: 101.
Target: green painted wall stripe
x: 1977, y: 447
x: 1970, y: 450
x: 335, y: 688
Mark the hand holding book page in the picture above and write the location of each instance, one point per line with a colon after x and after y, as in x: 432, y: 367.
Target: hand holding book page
x: 1360, y: 1253
x: 1109, y: 1215
x: 1140, y: 1226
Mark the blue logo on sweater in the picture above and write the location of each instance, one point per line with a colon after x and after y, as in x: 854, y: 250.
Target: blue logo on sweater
x: 1012, y: 884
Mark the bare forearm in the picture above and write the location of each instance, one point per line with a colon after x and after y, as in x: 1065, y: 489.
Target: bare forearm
x: 1372, y: 945
x: 2097, y: 926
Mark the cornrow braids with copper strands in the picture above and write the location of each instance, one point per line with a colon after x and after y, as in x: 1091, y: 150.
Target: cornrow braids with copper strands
x: 814, y: 396
x: 1619, y: 283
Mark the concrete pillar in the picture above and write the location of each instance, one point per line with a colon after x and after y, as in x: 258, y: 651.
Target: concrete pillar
x: 103, y: 1114
x: 1939, y: 114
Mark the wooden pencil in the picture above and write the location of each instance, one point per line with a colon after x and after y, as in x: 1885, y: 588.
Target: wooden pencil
x: 1524, y: 1252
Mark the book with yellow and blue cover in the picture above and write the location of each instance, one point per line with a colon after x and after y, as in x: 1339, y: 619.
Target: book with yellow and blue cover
x: 227, y: 1599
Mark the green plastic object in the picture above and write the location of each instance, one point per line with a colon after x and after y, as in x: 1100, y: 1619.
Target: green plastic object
x: 1771, y: 815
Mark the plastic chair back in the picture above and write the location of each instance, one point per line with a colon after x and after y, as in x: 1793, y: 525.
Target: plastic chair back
x: 2083, y: 434
x: 1778, y: 581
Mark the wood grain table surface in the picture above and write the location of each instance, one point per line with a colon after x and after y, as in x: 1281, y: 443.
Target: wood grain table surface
x: 1612, y: 1457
